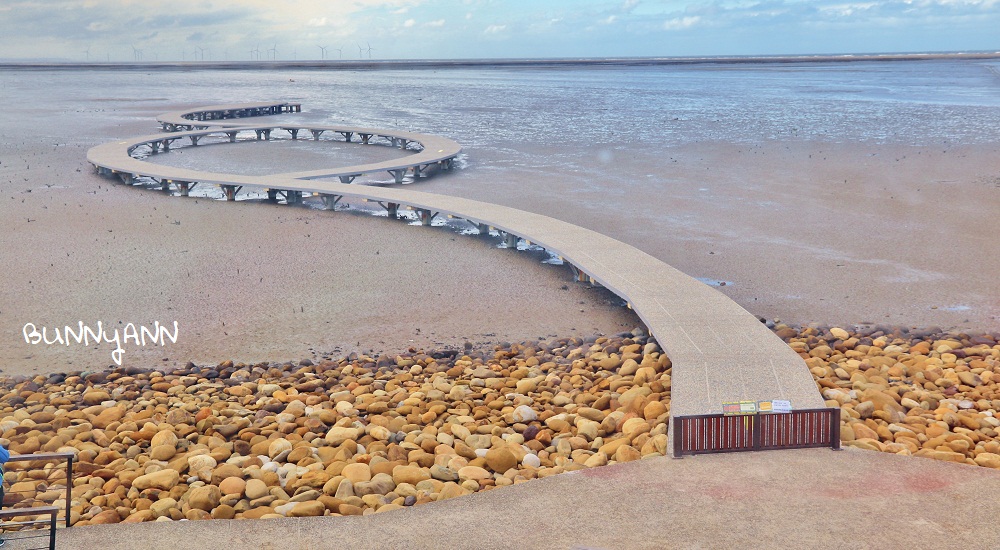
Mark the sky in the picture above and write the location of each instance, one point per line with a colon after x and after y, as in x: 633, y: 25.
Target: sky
x: 234, y: 30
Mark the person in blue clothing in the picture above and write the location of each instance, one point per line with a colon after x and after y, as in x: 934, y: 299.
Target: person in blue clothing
x: 4, y: 457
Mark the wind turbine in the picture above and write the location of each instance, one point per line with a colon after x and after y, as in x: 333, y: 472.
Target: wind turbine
x: 340, y: 52
x: 87, y: 53
x: 136, y: 53
x: 273, y: 52
x: 361, y: 52
x: 201, y: 51
x: 369, y: 50
x: 322, y: 52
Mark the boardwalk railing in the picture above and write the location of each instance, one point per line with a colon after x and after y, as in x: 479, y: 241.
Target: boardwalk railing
x: 718, y: 433
x: 171, y: 122
x: 44, y: 468
x: 29, y: 529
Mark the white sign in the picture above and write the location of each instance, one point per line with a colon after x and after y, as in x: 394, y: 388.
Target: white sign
x: 781, y: 406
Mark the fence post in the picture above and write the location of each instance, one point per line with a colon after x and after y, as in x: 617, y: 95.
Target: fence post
x: 678, y: 436
x: 53, y: 514
x: 835, y: 429
x: 755, y: 431
x: 69, y: 486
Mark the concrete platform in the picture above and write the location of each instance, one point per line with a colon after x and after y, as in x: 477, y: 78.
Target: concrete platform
x: 779, y: 499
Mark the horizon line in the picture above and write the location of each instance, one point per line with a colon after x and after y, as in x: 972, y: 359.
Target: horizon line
x: 497, y: 62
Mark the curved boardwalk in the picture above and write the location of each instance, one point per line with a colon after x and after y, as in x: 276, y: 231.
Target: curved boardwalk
x: 719, y: 351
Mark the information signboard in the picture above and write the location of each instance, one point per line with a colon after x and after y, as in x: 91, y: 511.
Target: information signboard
x: 782, y: 406
x: 731, y: 408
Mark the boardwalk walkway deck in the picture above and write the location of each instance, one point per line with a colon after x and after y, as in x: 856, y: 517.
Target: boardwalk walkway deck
x: 719, y: 351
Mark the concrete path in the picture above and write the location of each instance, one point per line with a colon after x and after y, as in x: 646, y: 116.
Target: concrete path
x: 720, y: 352
x: 780, y: 499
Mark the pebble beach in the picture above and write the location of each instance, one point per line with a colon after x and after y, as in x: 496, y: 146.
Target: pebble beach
x: 924, y: 393
x: 344, y: 436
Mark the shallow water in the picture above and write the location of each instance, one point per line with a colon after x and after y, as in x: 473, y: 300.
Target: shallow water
x: 908, y: 102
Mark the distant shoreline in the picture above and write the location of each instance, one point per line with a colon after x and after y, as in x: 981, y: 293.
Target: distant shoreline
x: 489, y: 63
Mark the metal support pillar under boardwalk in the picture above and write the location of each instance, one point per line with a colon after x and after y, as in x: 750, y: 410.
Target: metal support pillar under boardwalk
x: 330, y: 201
x: 230, y: 191
x: 426, y: 216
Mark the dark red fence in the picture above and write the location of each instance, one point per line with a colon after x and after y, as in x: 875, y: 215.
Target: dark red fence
x: 718, y: 433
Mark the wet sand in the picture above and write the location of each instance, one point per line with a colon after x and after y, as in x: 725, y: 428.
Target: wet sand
x: 248, y: 282
x: 807, y: 232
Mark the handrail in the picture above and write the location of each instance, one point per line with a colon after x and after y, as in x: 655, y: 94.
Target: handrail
x: 51, y: 511
x: 49, y: 457
x: 187, y: 117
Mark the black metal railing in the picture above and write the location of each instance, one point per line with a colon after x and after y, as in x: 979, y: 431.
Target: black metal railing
x: 33, y: 465
x: 30, y: 526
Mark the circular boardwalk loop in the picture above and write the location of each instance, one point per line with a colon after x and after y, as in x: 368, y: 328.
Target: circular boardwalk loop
x: 719, y: 351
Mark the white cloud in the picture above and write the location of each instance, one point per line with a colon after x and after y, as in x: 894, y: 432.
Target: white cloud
x: 400, y: 11
x: 608, y: 20
x: 846, y: 10
x: 409, y: 23
x: 679, y: 23
x: 316, y: 22
x: 495, y: 29
x: 438, y: 23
